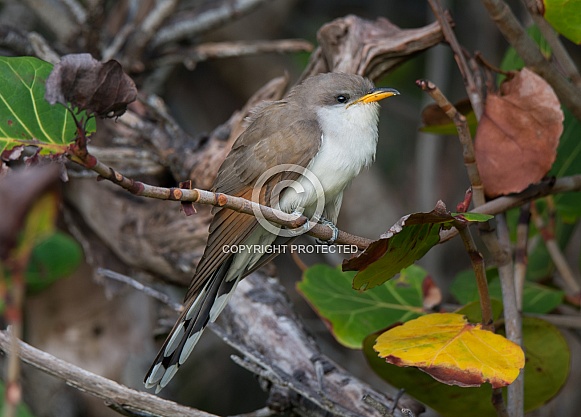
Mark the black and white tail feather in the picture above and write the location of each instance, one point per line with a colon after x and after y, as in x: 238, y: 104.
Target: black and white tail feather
x: 203, y: 309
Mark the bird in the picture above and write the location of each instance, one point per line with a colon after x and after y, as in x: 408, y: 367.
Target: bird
x: 316, y: 140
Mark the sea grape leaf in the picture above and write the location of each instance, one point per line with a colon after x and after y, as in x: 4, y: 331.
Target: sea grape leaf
x: 26, y: 118
x: 55, y: 257
x: 91, y: 85
x: 404, y: 243
x: 565, y: 17
x: 473, y: 311
x: 537, y: 298
x: 568, y: 162
x: 352, y: 315
x: 512, y: 60
x: 518, y: 134
x: 452, y: 351
x: 546, y: 370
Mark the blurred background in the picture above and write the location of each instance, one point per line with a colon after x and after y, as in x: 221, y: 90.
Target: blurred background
x: 107, y: 327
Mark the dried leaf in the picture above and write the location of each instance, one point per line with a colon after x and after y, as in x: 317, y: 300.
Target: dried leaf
x: 452, y: 351
x: 87, y: 84
x: 436, y: 121
x: 518, y: 134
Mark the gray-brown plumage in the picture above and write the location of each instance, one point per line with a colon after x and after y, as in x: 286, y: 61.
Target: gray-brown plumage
x: 328, y: 125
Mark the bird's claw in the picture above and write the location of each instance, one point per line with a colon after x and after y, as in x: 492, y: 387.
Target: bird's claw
x: 333, y: 228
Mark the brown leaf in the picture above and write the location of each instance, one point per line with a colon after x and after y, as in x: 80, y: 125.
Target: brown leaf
x: 87, y: 84
x: 433, y: 115
x: 518, y: 134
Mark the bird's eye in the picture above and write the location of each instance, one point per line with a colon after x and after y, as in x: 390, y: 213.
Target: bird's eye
x: 342, y: 98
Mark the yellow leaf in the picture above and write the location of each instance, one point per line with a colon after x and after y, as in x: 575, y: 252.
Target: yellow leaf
x: 452, y: 351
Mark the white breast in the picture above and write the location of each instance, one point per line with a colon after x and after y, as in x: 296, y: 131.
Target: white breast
x: 348, y: 144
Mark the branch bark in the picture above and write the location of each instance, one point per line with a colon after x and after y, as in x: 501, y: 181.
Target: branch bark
x: 115, y: 395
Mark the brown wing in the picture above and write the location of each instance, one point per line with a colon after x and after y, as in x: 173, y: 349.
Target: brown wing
x: 268, y: 141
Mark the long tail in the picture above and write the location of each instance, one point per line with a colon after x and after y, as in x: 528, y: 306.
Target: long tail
x: 202, y: 310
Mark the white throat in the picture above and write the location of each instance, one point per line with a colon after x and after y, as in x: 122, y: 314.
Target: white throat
x: 348, y: 144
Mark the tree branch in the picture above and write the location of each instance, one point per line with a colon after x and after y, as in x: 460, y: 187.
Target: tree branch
x: 114, y: 394
x: 189, y: 26
x: 515, y: 34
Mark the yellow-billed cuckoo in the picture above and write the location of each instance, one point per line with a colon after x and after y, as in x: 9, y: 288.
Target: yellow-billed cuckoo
x: 328, y: 125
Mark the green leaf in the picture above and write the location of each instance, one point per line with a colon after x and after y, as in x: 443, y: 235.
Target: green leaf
x: 473, y: 311
x: 565, y: 17
x: 353, y: 315
x: 473, y: 217
x: 57, y: 256
x: 26, y: 118
x: 536, y: 298
x: 548, y: 361
x: 546, y: 370
x: 512, y: 61
x: 568, y: 162
x: 404, y: 243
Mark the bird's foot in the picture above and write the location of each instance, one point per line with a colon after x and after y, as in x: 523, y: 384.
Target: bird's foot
x: 333, y: 228
x: 301, y: 229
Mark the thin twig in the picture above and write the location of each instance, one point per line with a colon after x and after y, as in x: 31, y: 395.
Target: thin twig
x: 569, y: 321
x: 113, y: 393
x: 118, y: 41
x: 77, y: 11
x: 464, y: 136
x: 164, y: 298
x: 559, y: 52
x: 533, y: 192
x: 190, y: 57
x: 512, y: 317
x: 528, y: 50
x: 147, y: 30
x: 477, y: 262
x: 216, y: 199
x: 189, y: 26
x: 520, y: 252
x: 471, y: 87
x: 572, y: 285
x: 498, y: 403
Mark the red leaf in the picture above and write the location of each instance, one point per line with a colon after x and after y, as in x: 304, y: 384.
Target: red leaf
x: 518, y: 134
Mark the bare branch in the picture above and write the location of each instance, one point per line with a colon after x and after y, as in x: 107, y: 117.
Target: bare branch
x: 189, y: 26
x: 535, y: 191
x: 515, y: 34
x: 197, y: 195
x: 113, y: 393
x: 471, y: 87
x: 464, y: 136
x: 213, y: 50
x: 520, y: 252
x: 559, y: 51
x: 258, y: 317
